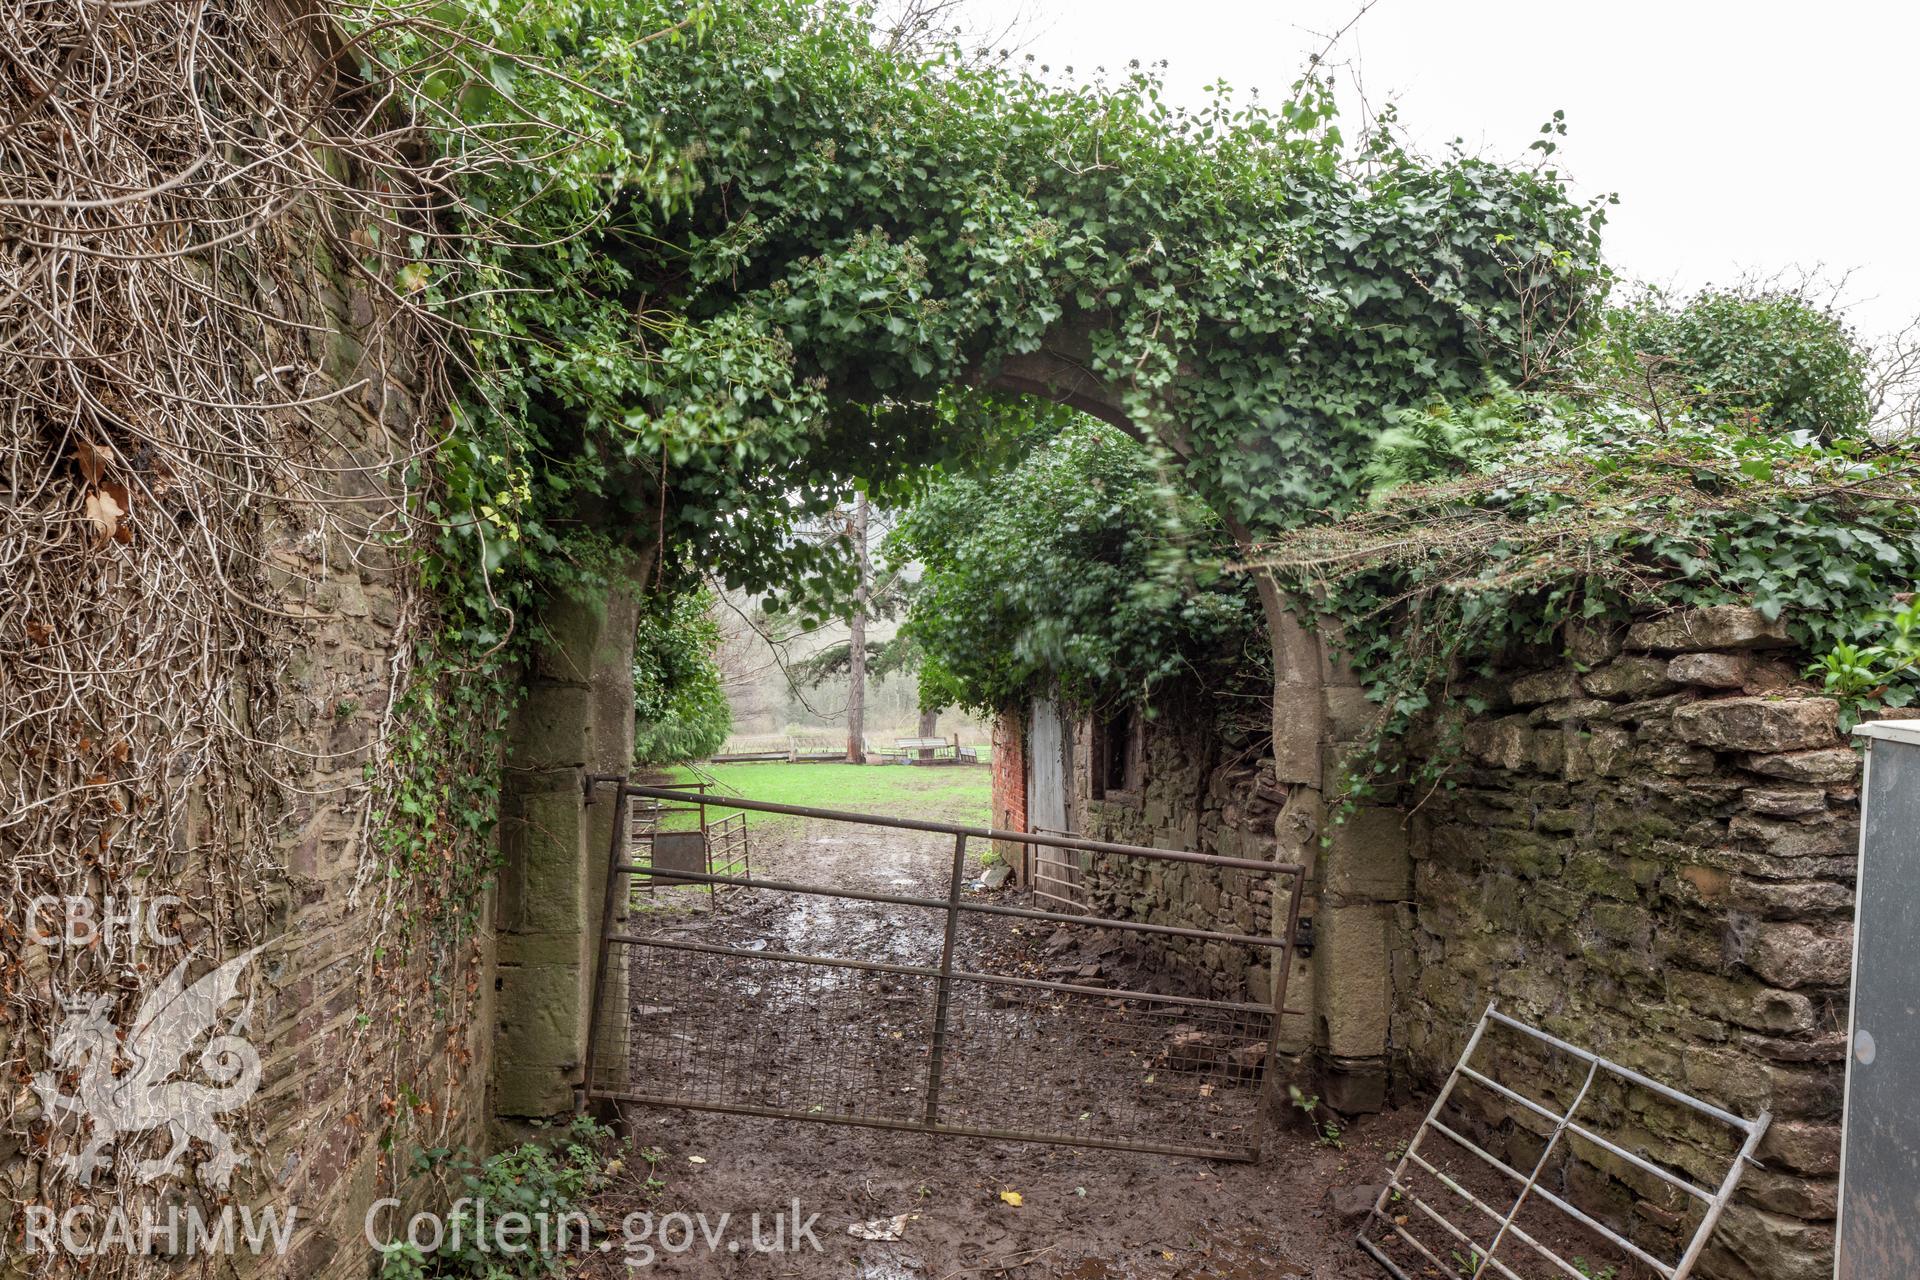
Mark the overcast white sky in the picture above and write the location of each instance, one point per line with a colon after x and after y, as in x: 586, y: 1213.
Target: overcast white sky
x: 1739, y: 136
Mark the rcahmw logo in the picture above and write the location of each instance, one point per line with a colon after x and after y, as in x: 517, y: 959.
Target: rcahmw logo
x: 125, y: 1075
x: 110, y: 1085
x: 85, y: 1232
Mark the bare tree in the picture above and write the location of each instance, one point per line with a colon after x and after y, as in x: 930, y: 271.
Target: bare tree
x: 1895, y: 385
x: 921, y: 26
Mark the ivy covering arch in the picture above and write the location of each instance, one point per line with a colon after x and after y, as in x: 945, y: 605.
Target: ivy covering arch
x: 819, y: 261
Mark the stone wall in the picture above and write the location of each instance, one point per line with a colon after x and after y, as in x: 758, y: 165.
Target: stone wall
x: 1646, y: 846
x: 1650, y: 852
x: 348, y: 1061
x: 1202, y: 794
x: 375, y: 1039
x: 1188, y: 800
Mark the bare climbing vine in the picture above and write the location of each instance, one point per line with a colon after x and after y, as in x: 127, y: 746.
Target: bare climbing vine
x: 223, y: 389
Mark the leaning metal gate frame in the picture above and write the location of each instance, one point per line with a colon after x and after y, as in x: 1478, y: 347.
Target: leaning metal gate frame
x: 925, y: 1044
x: 1490, y: 1227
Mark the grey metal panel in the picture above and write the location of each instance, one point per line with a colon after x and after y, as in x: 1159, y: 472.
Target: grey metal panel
x: 1880, y: 1156
x: 1056, y: 872
x: 679, y: 851
x: 1046, y: 769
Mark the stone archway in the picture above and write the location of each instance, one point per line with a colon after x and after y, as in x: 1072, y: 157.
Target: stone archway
x: 577, y: 719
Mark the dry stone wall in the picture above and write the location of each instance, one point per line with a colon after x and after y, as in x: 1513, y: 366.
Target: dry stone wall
x: 1190, y: 799
x: 1650, y: 851
x: 1646, y: 846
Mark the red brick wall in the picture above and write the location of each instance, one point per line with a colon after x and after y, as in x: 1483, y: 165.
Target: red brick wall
x: 1010, y: 783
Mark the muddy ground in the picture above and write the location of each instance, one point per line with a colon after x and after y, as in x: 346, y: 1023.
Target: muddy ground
x: 941, y: 1207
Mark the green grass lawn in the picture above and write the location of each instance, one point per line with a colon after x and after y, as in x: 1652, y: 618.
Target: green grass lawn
x: 945, y: 793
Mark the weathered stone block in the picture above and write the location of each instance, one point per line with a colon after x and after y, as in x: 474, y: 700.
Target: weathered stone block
x: 1793, y: 899
x: 1828, y: 764
x: 1601, y: 875
x: 1710, y: 670
x: 1805, y: 1146
x: 1747, y: 1004
x: 1504, y: 742
x: 1765, y: 725
x: 1591, y: 643
x: 1817, y: 1199
x: 1367, y: 856
x: 1775, y: 1246
x: 1624, y: 923
x: 1607, y: 748
x: 550, y: 728
x: 1350, y: 714
x: 1820, y: 837
x: 1798, y: 955
x: 1545, y: 686
x: 1676, y: 759
x: 1635, y: 676
x: 1724, y: 626
x: 530, y: 1090
x: 1785, y: 801
x: 1354, y: 1086
x: 543, y: 888
x: 1526, y: 854
x: 1298, y: 730
x: 1352, y: 962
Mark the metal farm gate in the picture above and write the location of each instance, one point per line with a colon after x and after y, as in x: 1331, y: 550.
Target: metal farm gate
x: 942, y: 1014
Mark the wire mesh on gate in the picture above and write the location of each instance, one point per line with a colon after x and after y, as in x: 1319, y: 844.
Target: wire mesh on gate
x: 1582, y: 1187
x: 905, y: 1033
x: 840, y: 1043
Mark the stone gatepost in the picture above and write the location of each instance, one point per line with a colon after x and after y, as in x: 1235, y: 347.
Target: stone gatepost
x: 576, y: 719
x: 1359, y: 870
x: 1365, y: 875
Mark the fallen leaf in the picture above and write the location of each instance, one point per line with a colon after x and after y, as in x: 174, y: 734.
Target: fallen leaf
x: 1013, y: 1198
x: 103, y: 513
x: 117, y: 494
x: 38, y: 632
x: 92, y: 461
